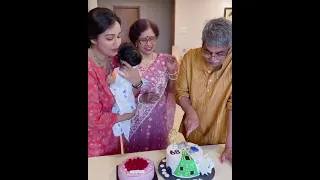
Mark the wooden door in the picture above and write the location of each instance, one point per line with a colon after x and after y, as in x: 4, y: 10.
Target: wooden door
x: 128, y: 15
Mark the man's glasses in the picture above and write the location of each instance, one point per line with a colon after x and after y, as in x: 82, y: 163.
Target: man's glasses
x: 209, y: 55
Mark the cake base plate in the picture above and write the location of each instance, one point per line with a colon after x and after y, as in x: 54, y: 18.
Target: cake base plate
x: 155, y: 177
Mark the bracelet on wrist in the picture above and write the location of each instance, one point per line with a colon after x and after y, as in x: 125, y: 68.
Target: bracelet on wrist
x: 139, y: 102
x: 173, y: 79
x: 137, y: 86
x: 173, y: 73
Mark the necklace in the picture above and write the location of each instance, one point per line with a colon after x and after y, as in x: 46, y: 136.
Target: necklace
x: 146, y: 65
x: 103, y: 65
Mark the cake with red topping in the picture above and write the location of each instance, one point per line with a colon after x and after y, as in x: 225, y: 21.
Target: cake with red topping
x: 136, y: 168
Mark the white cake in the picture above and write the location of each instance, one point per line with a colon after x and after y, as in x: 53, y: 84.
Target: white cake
x: 186, y: 160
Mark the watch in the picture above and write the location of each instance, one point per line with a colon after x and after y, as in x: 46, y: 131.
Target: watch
x: 137, y: 86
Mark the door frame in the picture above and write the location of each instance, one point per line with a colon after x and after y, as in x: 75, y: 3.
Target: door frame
x: 173, y: 21
x: 128, y: 7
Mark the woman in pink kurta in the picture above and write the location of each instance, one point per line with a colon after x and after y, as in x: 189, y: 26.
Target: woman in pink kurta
x: 156, y: 108
x: 100, y: 138
x: 103, y: 42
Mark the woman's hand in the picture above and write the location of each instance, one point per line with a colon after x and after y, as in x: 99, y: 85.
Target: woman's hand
x: 172, y: 65
x: 130, y: 74
x: 110, y: 79
x: 125, y: 117
x: 149, y: 97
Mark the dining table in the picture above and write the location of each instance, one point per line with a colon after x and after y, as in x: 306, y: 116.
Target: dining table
x: 104, y: 167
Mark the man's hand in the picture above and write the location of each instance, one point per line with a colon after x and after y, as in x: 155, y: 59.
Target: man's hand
x: 226, y: 154
x: 191, y: 121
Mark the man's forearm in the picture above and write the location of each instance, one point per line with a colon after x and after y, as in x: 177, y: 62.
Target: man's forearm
x: 185, y: 104
x: 229, y: 136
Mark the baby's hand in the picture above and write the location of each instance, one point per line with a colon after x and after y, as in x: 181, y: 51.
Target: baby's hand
x: 110, y: 79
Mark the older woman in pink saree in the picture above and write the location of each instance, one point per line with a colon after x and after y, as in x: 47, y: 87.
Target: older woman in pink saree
x: 156, y: 105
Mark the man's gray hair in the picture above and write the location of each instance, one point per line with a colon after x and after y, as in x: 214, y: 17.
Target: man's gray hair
x: 218, y: 33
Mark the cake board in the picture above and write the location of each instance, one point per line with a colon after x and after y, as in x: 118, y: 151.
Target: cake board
x: 155, y: 177
x: 163, y: 170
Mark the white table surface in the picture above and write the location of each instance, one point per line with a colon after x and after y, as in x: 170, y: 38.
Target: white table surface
x: 104, y: 167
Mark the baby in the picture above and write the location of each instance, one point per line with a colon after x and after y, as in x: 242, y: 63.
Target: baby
x: 122, y: 89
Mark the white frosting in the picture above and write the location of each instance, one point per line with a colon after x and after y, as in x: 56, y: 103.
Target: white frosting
x: 206, y: 165
x: 136, y: 172
x: 174, y: 153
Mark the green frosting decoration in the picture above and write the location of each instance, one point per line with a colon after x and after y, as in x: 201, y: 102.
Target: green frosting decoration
x: 187, y: 167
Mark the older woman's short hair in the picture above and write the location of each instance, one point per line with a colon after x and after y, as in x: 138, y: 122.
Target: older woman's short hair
x: 140, y: 26
x: 218, y: 33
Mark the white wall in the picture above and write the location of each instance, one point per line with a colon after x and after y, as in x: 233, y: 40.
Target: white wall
x: 190, y: 18
x: 158, y: 11
x: 92, y: 4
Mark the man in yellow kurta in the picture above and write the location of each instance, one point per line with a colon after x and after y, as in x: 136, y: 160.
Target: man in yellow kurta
x: 204, y: 88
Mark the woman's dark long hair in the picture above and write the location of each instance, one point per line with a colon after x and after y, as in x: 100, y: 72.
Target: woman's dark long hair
x: 99, y: 20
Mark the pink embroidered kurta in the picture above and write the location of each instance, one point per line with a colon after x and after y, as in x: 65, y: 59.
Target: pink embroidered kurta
x: 101, y: 140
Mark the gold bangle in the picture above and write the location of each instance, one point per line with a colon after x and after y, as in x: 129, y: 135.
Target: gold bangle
x: 173, y: 79
x: 173, y: 74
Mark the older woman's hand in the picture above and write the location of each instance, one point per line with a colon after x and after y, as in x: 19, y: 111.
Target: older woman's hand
x: 130, y: 74
x: 149, y: 97
x: 172, y: 65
